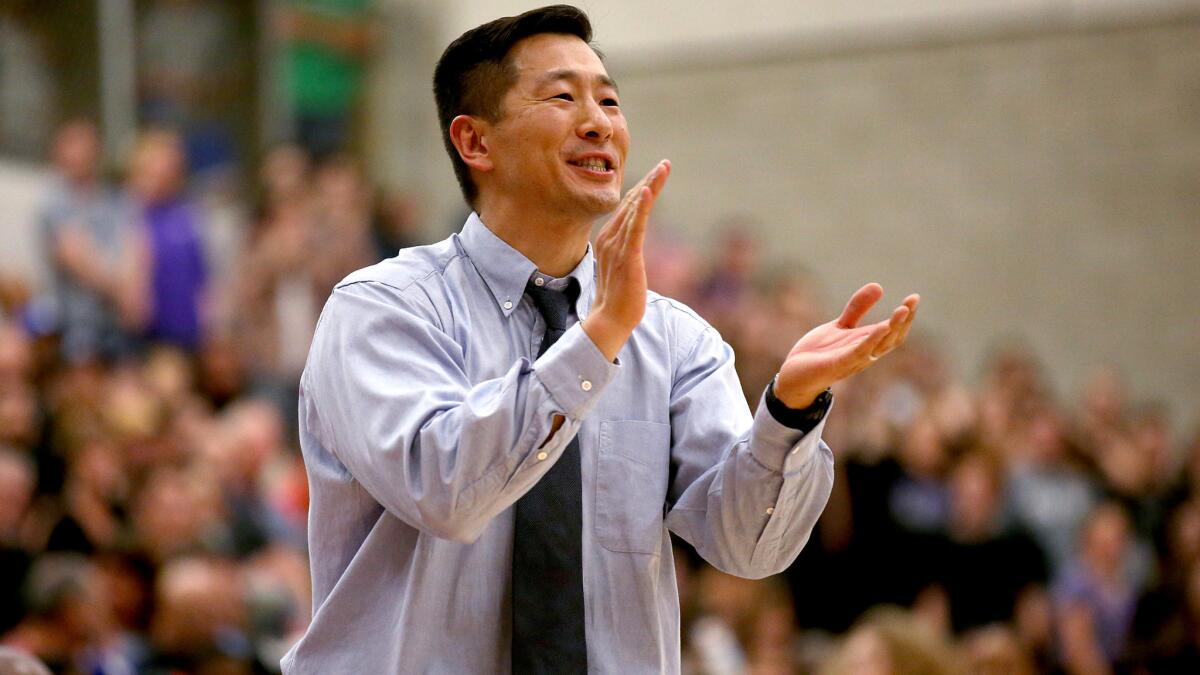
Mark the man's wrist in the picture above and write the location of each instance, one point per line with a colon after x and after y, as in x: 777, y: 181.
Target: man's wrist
x: 804, y: 418
x: 607, y: 337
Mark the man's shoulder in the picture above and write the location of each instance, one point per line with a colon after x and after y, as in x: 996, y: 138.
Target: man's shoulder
x: 674, y: 312
x: 409, y: 287
x: 409, y: 270
x: 682, y: 325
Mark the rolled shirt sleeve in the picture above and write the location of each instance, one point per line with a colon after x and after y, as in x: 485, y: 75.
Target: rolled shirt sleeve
x: 746, y: 490
x: 386, y: 390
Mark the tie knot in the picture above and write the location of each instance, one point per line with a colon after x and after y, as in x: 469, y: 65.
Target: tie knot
x: 554, y: 306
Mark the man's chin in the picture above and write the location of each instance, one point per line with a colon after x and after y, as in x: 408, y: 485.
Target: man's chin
x: 601, y: 203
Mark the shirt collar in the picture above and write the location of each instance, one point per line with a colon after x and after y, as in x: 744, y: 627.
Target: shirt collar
x: 506, y: 270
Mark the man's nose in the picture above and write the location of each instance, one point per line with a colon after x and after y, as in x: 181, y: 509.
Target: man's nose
x: 595, y: 125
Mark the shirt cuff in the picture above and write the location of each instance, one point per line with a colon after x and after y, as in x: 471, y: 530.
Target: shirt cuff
x: 803, y: 420
x: 575, y: 372
x: 779, y: 447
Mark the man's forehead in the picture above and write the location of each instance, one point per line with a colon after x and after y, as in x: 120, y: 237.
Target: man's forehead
x: 550, y: 57
x: 570, y: 74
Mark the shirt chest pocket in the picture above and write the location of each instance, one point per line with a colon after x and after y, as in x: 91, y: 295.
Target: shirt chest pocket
x: 631, y: 485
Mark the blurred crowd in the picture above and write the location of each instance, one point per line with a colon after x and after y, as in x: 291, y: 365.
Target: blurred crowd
x: 1000, y: 528
x: 153, y: 518
x: 154, y: 507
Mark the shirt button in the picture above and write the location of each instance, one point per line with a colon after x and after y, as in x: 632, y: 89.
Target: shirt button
x: 542, y: 456
x: 770, y: 510
x: 586, y: 385
x: 538, y: 281
x: 507, y: 304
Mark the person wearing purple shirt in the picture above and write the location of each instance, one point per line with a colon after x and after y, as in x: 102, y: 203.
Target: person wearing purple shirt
x: 1094, y: 600
x: 177, y: 275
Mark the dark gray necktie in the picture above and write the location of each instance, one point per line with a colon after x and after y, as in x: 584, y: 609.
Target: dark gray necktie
x: 547, y: 570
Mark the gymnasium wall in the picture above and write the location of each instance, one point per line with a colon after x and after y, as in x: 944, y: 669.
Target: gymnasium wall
x: 1034, y: 174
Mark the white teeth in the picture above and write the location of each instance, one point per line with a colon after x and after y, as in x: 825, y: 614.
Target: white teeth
x: 593, y: 163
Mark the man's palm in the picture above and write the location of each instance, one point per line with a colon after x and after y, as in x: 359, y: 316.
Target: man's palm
x: 840, y: 348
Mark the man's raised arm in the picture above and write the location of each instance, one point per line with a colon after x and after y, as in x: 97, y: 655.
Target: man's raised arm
x: 386, y: 391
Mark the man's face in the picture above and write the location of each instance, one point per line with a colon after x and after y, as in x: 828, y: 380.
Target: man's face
x: 77, y: 151
x: 562, y: 140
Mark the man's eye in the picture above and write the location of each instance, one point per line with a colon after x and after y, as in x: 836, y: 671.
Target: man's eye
x: 609, y: 101
x: 564, y: 96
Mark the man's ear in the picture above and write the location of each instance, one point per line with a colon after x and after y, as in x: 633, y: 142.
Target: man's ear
x: 469, y: 136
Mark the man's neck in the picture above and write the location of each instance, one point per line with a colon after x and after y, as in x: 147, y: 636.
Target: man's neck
x: 554, y: 243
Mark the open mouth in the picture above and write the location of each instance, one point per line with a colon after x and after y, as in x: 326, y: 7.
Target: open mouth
x: 593, y: 164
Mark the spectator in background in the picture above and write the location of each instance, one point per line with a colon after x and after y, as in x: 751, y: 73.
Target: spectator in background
x: 890, y: 641
x: 672, y: 266
x: 17, y: 480
x: 996, y: 650
x: 14, y: 662
x: 343, y: 213
x: 1102, y: 413
x: 18, y: 414
x: 277, y: 298
x: 396, y: 224
x: 983, y: 566
x: 70, y: 625
x: 326, y: 45
x: 1094, y: 600
x: 186, y: 67
x: 16, y: 355
x: 1165, y: 635
x: 789, y: 307
x: 178, y: 275
x: 200, y: 623
x: 918, y: 501
x: 1050, y: 493
x: 1135, y: 464
x: 726, y: 291
x: 742, y: 625
x: 94, y: 249
x: 275, y: 257
x: 94, y: 497
x: 314, y: 228
x: 246, y: 453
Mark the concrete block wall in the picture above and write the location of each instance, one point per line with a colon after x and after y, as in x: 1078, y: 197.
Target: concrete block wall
x: 1039, y: 182
x: 1041, y: 186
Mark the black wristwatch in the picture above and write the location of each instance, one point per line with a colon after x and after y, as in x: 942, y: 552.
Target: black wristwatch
x: 803, y: 419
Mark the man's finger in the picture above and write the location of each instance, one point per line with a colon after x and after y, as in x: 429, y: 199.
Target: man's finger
x: 616, y: 223
x: 635, y: 227
x: 895, y: 328
x: 645, y: 180
x: 635, y: 236
x: 854, y: 357
x: 860, y: 303
x: 661, y: 172
x: 654, y: 177
x: 911, y: 301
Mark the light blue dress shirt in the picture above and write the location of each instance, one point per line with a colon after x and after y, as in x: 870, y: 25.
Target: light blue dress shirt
x: 424, y: 417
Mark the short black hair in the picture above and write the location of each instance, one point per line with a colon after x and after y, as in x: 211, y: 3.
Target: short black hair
x: 474, y: 73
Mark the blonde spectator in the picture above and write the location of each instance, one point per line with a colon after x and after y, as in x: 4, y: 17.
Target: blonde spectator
x: 891, y: 641
x: 996, y: 650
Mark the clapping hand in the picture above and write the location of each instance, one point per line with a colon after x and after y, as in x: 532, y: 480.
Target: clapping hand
x: 840, y: 348
x: 620, y: 300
